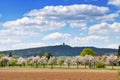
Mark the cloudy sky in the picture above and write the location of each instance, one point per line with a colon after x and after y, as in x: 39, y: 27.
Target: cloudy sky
x: 35, y: 23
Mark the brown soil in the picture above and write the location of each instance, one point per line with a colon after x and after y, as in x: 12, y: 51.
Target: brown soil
x: 56, y: 74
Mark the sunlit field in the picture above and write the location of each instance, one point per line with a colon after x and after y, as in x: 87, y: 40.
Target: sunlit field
x: 58, y: 73
x: 55, y: 74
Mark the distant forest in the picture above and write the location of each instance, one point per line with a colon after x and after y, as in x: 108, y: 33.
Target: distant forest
x: 59, y: 50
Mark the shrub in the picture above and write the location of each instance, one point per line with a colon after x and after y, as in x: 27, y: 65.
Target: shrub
x: 13, y: 62
x: 100, y: 65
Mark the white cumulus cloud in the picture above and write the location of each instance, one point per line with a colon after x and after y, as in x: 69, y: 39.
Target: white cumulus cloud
x: 27, y: 45
x: 114, y: 2
x: 88, y: 40
x: 56, y: 17
x: 9, y: 41
x: 56, y: 35
x: 82, y: 26
x: 105, y: 28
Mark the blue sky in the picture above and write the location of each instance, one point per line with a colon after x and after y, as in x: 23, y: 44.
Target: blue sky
x: 36, y: 23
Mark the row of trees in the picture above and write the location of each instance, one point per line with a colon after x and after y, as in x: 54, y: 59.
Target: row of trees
x: 86, y: 60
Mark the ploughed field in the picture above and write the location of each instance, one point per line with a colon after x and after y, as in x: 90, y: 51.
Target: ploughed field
x: 55, y: 74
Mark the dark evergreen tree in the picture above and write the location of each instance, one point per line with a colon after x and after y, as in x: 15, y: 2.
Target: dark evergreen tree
x: 10, y: 55
x: 48, y: 55
x: 40, y: 54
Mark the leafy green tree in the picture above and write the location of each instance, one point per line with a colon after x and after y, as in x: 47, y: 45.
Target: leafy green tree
x: 40, y: 54
x: 48, y: 55
x: 60, y: 61
x: 87, y: 51
x: 119, y: 52
x: 10, y: 55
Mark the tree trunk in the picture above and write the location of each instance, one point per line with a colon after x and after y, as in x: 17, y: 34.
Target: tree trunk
x: 112, y: 65
x: 60, y: 66
x: 94, y: 64
x: 85, y: 65
x: 90, y: 65
x: 43, y: 65
x: 77, y: 65
x: 68, y: 66
x: 51, y: 66
x: 36, y: 65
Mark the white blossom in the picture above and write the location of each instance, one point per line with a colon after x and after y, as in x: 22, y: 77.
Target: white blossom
x: 4, y: 60
x: 35, y: 60
x: 89, y: 60
x: 21, y: 61
x: 76, y: 60
x: 30, y: 60
x: 86, y: 59
x: 43, y: 60
x: 68, y: 61
x: 111, y: 60
x: 52, y: 61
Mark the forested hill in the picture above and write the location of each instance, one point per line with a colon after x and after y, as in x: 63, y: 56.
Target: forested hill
x: 59, y: 50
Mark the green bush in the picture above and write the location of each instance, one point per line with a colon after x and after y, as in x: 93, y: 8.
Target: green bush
x: 100, y: 65
x: 13, y: 62
x: 0, y: 64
